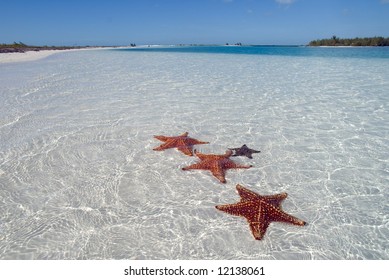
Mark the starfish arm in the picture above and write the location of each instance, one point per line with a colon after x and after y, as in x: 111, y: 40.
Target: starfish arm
x: 237, y: 209
x: 275, y: 199
x: 186, y: 145
x: 258, y: 230
x: 278, y: 215
x: 167, y: 145
x: 197, y: 142
x: 194, y: 166
x: 286, y: 218
x: 218, y: 172
x: 161, y: 138
x: 186, y: 150
x: 159, y: 148
x: 200, y: 155
x: 246, y: 194
x: 212, y: 156
x: 231, y: 165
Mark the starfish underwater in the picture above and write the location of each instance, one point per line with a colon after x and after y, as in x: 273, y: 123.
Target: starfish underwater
x: 217, y: 164
x: 183, y: 143
x: 243, y: 151
x: 259, y: 210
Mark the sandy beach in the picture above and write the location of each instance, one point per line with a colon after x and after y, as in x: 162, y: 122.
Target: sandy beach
x: 27, y: 56
x: 32, y: 55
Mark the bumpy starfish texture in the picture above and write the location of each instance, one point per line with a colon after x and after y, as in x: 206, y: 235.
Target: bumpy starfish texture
x: 244, y: 151
x: 183, y: 143
x: 217, y: 164
x: 259, y: 210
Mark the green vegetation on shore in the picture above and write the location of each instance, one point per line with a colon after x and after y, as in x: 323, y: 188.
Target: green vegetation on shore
x: 335, y: 41
x: 21, y: 48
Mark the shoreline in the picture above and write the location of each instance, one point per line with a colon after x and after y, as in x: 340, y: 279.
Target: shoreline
x: 32, y: 55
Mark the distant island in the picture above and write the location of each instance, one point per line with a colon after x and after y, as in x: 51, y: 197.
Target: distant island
x: 21, y: 48
x: 356, y: 42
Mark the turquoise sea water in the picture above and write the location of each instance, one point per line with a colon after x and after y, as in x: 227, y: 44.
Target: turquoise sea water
x: 302, y: 51
x: 79, y: 178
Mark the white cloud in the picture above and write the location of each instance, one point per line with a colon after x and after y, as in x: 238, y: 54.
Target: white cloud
x: 291, y: 1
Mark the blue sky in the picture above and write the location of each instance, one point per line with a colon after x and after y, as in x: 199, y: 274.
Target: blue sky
x: 121, y: 22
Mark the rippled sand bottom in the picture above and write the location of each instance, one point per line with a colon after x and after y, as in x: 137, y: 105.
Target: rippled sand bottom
x: 79, y: 178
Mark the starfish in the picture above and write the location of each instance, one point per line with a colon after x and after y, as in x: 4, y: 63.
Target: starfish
x: 243, y: 151
x: 183, y: 143
x: 217, y: 164
x: 259, y: 210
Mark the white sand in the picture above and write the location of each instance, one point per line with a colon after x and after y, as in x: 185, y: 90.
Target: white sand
x: 27, y: 56
x: 31, y: 55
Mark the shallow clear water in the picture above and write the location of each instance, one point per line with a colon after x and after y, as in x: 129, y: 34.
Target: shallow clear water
x: 79, y: 178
